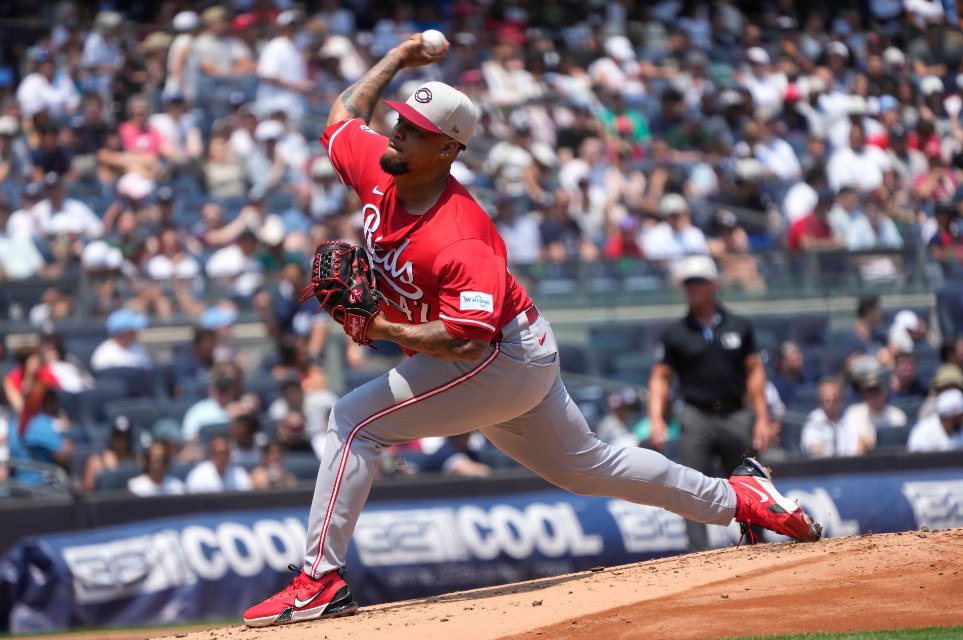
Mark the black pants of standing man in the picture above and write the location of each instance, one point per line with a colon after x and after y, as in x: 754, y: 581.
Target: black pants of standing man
x: 708, y: 434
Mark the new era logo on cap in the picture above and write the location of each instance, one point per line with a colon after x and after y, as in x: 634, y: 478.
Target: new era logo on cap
x: 435, y: 106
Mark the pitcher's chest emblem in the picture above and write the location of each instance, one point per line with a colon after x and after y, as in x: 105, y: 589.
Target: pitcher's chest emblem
x: 398, y: 273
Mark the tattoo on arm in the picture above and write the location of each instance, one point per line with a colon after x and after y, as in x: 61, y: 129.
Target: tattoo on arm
x: 359, y: 100
x: 432, y: 339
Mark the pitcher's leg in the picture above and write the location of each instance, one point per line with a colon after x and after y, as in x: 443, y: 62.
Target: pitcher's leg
x: 421, y: 397
x: 554, y: 441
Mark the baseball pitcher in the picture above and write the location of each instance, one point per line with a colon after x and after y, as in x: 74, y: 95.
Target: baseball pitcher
x: 481, y: 356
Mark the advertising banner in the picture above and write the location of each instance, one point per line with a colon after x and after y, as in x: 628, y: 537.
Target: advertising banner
x: 214, y: 567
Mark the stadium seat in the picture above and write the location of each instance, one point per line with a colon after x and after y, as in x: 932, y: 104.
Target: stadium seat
x: 82, y: 348
x: 140, y: 382
x: 792, y: 424
x: 808, y: 329
x: 142, y: 412
x: 893, y: 436
x: 573, y: 358
x: 209, y: 431
x: 163, y: 380
x: 94, y: 400
x: 650, y: 334
x: 302, y: 465
x: 72, y: 405
x: 175, y: 409
x: 266, y: 386
x: 116, y: 480
x: 180, y: 471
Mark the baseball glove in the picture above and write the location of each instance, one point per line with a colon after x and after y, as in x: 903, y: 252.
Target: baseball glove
x: 344, y: 283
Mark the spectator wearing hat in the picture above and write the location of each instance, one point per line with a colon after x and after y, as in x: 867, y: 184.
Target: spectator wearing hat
x: 618, y: 70
x: 730, y: 248
x: 119, y: 452
x: 948, y: 376
x: 47, y: 89
x: 940, y: 432
x: 221, y: 319
x: 814, y: 232
x: 282, y: 72
x: 156, y: 479
x: 102, y: 55
x: 15, y: 162
x: 188, y: 26
x: 215, y: 53
x: 512, y: 165
x: 766, y: 85
x: 859, y: 165
x: 23, y: 223
x: 820, y: 436
x: 863, y: 420
x: 908, y: 163
x: 59, y: 215
x: 624, y: 243
x: 674, y: 237
x: 714, y: 353
x: 121, y: 348
x: 946, y: 242
x: 745, y: 192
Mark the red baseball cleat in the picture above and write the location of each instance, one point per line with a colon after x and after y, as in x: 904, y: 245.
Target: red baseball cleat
x: 758, y: 503
x: 304, y: 599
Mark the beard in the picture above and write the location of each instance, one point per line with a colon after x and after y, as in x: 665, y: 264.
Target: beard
x: 393, y: 167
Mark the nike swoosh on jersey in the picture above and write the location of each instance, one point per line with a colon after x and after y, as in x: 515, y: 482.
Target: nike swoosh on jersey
x: 763, y: 497
x: 541, y: 340
x: 300, y: 604
x: 376, y: 192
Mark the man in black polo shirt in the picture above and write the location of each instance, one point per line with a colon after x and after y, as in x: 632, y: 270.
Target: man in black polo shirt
x: 714, y: 353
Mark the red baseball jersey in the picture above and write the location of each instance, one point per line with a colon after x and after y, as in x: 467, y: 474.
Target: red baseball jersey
x: 448, y: 263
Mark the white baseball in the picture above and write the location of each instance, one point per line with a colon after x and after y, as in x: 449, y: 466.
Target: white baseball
x: 433, y: 42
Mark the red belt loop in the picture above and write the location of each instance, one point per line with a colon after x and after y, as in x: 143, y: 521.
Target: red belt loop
x: 531, y: 314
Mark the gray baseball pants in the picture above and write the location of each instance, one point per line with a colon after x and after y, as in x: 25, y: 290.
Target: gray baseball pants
x: 515, y: 396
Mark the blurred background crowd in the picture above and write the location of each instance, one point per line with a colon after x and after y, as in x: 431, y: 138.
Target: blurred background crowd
x: 160, y: 173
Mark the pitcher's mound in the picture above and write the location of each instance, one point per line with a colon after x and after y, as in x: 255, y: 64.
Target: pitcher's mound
x: 847, y: 584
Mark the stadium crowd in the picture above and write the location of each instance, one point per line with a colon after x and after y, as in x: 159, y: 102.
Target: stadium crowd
x: 171, y: 158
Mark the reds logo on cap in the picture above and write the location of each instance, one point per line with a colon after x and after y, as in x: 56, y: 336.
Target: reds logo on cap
x: 438, y: 107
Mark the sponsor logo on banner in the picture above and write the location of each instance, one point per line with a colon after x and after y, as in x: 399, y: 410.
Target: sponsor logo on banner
x: 152, y: 563
x: 648, y: 529
x: 937, y: 505
x: 477, y: 301
x: 421, y: 536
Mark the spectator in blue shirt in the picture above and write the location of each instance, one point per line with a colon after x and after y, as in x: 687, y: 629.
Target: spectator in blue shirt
x: 196, y: 363
x: 41, y: 441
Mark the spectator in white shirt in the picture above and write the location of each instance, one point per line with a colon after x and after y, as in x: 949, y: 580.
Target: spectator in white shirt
x: 15, y: 162
x: 215, y: 53
x: 187, y: 24
x: 47, y: 90
x: 238, y: 263
x: 217, y: 474
x: 941, y: 431
x: 766, y: 86
x: 59, y: 215
x: 675, y: 237
x: 618, y: 70
x: 325, y: 191
x: 22, y: 223
x: 857, y: 434
x: 523, y: 239
x: 775, y: 154
x: 182, y: 141
x: 859, y: 165
x: 122, y: 349
x: 156, y: 480
x: 102, y: 56
x: 822, y: 427
x: 802, y: 197
x: 282, y: 72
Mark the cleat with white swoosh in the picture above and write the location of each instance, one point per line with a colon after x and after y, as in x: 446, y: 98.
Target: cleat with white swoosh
x: 759, y: 504
x: 304, y: 599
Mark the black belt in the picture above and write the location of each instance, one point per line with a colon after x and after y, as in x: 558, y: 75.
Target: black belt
x: 718, y: 406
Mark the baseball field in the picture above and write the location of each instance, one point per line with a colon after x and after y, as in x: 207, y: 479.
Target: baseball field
x: 899, y: 585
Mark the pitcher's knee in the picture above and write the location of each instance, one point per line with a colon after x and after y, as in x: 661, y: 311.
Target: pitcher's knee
x: 344, y: 416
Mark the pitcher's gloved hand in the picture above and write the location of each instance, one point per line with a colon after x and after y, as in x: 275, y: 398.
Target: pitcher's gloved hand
x: 344, y: 283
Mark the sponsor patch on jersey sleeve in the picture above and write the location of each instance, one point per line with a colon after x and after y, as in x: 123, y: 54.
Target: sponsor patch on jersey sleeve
x: 476, y: 301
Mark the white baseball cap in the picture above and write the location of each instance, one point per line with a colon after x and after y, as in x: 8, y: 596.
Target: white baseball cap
x: 672, y: 203
x: 758, y: 55
x: 949, y: 403
x: 437, y: 107
x: 268, y: 130
x: 699, y: 268
x: 837, y: 48
x: 186, y: 21
x: 620, y: 48
x: 930, y: 85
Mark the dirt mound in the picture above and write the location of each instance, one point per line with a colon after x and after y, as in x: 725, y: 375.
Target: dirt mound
x: 846, y: 584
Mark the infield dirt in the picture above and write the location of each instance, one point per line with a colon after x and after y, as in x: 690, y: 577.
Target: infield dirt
x: 869, y: 582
